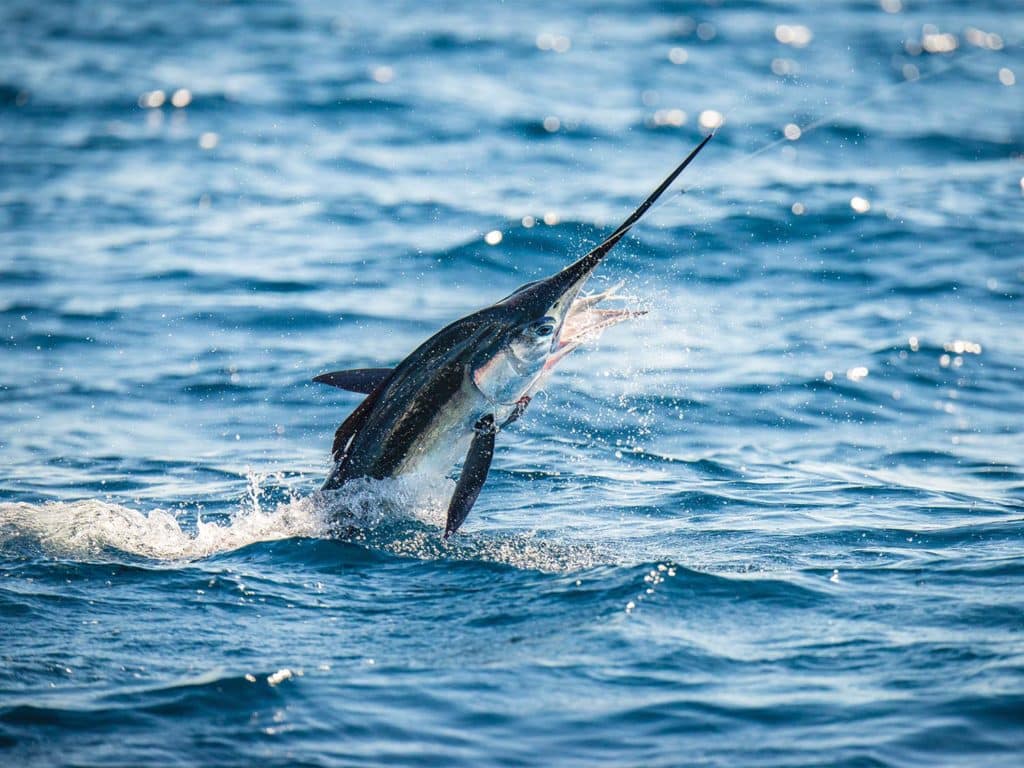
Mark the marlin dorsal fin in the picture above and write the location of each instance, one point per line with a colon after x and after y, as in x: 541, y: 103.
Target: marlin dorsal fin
x: 474, y: 473
x: 363, y: 380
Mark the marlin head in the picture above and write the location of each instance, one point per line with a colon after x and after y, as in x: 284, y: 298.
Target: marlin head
x: 547, y: 319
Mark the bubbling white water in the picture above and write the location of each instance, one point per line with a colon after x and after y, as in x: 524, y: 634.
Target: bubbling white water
x: 403, y: 516
x: 90, y: 527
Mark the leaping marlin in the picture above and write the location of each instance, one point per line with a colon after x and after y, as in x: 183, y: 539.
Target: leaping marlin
x: 469, y: 381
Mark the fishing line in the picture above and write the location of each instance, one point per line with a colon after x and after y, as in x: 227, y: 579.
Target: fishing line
x: 815, y: 124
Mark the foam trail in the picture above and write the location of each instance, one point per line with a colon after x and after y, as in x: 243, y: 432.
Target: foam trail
x: 91, y: 527
x: 401, y: 516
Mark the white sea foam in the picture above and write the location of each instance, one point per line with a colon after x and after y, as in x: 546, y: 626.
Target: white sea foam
x: 90, y: 527
x: 404, y: 516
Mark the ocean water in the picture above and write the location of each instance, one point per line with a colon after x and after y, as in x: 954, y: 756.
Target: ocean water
x: 777, y: 521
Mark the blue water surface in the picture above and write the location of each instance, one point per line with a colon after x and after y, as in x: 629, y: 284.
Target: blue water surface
x: 777, y: 521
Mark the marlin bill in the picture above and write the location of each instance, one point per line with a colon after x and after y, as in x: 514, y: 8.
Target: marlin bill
x: 449, y: 399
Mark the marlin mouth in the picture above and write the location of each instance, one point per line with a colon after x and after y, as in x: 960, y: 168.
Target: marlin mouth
x: 585, y: 322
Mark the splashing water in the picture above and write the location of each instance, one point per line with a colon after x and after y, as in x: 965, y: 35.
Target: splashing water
x: 403, y: 516
x: 88, y: 529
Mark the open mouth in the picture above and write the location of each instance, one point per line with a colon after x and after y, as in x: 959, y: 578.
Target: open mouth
x: 585, y: 322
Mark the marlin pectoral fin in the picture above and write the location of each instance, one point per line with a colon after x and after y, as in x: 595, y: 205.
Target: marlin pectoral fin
x: 363, y: 380
x: 474, y: 473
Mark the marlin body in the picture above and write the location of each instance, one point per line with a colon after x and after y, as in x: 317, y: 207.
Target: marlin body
x: 452, y: 395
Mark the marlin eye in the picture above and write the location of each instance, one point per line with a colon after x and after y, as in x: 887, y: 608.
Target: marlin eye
x: 544, y: 329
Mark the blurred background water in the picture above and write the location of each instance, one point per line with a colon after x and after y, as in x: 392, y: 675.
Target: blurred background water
x: 777, y: 521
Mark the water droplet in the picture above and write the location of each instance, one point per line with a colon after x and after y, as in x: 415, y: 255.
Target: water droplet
x: 152, y: 99
x: 673, y: 117
x: 860, y: 204
x: 796, y: 35
x: 711, y: 119
x: 857, y: 373
x: 383, y: 74
x: 280, y: 676
x: 678, y: 55
x: 934, y: 41
x: 181, y: 98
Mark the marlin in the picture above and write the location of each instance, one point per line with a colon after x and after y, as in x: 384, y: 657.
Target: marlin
x: 466, y: 383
